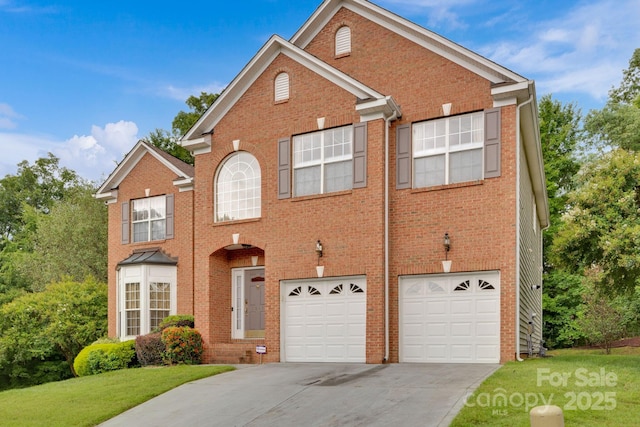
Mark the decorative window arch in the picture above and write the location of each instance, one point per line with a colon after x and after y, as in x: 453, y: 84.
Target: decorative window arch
x: 281, y: 87
x: 237, y: 188
x: 343, y: 40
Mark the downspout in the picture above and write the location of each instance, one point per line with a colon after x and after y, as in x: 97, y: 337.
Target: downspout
x: 518, y: 154
x: 387, y: 123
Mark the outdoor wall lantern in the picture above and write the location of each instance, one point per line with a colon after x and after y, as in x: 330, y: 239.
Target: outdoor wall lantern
x: 319, y: 268
x: 447, y: 244
x: 446, y: 263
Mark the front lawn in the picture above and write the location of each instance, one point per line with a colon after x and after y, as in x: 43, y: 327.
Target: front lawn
x: 90, y: 400
x: 593, y: 389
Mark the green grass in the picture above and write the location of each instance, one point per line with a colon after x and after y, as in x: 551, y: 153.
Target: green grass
x: 90, y: 400
x: 598, y: 390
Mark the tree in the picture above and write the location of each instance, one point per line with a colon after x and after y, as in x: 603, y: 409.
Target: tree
x: 617, y: 125
x: 600, y: 232
x: 600, y: 320
x: 49, y: 327
x: 33, y: 191
x: 71, y: 242
x: 181, y: 124
x: 560, y: 134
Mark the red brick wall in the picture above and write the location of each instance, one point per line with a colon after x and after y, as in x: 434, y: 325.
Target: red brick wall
x: 480, y: 217
x: 152, y: 174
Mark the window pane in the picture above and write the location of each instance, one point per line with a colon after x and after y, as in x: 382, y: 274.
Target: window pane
x: 158, y: 229
x: 338, y: 176
x: 465, y: 166
x: 157, y: 207
x: 141, y: 232
x: 132, y: 308
x: 307, y: 181
x: 159, y: 303
x: 429, y: 171
x: 238, y: 188
x: 140, y: 210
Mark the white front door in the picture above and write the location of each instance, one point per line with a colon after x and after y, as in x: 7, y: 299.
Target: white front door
x: 248, y: 303
x: 324, y: 320
x: 450, y: 318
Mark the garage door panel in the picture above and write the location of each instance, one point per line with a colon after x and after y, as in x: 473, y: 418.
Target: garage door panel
x: 329, y: 322
x: 450, y: 318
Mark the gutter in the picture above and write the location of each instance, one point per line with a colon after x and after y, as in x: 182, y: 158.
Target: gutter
x: 518, y: 154
x: 387, y: 123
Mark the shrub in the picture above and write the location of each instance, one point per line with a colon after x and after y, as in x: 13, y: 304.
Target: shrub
x: 182, y: 345
x: 98, y: 358
x: 150, y: 349
x: 179, y: 320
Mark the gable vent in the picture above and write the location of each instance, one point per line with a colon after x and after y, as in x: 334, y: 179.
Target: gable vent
x: 282, y: 87
x: 343, y: 40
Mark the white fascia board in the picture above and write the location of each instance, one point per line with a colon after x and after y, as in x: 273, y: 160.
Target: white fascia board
x: 108, y: 198
x: 407, y: 29
x: 378, y: 109
x: 275, y: 46
x: 185, y: 184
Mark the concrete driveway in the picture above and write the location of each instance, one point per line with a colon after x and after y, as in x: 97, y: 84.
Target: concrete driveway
x: 315, y: 394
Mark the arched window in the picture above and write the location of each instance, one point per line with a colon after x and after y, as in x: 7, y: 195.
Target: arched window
x: 238, y: 188
x: 343, y: 41
x: 281, y: 87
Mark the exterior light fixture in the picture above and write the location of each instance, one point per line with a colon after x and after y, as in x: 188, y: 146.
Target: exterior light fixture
x: 446, y: 263
x: 447, y: 244
x: 319, y: 268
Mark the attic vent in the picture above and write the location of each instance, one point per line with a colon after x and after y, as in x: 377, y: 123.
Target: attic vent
x: 343, y: 41
x: 281, y: 88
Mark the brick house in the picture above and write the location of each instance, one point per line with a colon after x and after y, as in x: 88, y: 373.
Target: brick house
x: 333, y: 177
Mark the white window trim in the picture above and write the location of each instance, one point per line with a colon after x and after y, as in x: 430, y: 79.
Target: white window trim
x: 447, y: 150
x: 237, y: 301
x: 216, y: 200
x: 145, y: 276
x: 149, y: 220
x: 322, y: 161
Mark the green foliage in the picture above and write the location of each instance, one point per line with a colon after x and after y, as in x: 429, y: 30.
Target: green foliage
x: 600, y: 320
x: 51, y: 325
x: 177, y: 320
x: 167, y: 143
x: 104, y: 357
x: 71, y: 242
x: 629, y: 89
x: 562, y: 301
x: 182, y: 345
x: 150, y: 349
x: 198, y: 104
x: 601, y: 229
x: 181, y: 124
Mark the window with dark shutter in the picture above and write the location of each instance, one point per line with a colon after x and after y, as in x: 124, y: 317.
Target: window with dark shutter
x: 360, y: 155
x: 492, y: 143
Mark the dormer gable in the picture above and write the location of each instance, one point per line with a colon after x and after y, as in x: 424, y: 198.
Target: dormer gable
x: 108, y: 191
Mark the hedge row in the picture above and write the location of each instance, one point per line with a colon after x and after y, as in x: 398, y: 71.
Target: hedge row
x: 176, y: 341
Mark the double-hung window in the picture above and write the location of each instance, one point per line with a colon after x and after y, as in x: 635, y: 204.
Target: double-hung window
x: 448, y: 150
x: 146, y: 295
x: 149, y: 219
x: 323, y: 161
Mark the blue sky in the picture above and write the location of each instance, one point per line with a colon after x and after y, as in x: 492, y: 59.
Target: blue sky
x: 85, y: 79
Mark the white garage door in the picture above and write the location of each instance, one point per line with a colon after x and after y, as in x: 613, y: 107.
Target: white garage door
x: 324, y: 320
x: 450, y: 318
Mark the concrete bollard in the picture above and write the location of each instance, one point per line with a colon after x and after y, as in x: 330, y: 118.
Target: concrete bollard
x: 546, y: 416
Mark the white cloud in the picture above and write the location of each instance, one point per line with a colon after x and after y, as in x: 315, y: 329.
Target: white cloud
x: 8, y: 117
x: 92, y: 156
x: 582, y: 51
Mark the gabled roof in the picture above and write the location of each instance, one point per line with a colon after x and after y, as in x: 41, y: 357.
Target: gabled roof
x: 195, y: 141
x: 407, y: 29
x: 185, y: 172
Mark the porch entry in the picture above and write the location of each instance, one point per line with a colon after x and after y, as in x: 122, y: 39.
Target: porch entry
x: 248, y: 303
